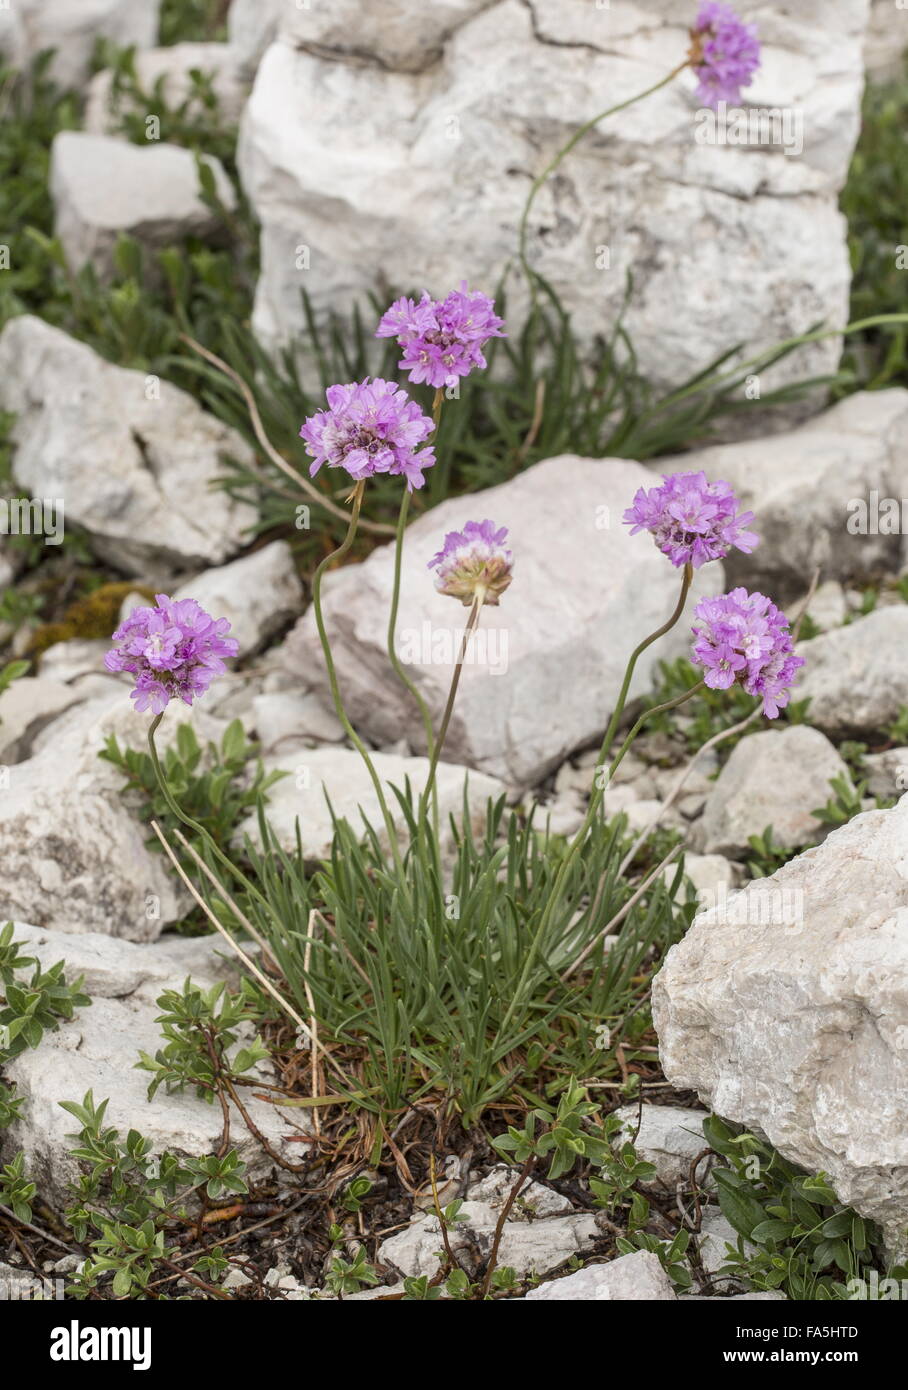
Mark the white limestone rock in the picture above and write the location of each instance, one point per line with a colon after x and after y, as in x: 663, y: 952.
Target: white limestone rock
x: 631, y: 1278
x: 258, y: 594
x: 796, y: 1023
x: 27, y: 27
x: 341, y: 774
x: 857, y: 676
x: 220, y: 64
x: 132, y: 457
x: 104, y: 187
x: 74, y: 853
x: 806, y: 488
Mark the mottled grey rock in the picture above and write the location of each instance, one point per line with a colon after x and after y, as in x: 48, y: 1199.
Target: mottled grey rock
x: 468, y: 102
x: 132, y: 457
x: 637, y: 1277
x: 104, y: 187
x: 29, y: 26
x: 794, y: 1023
x: 545, y: 666
x: 776, y: 778
x: 857, y: 676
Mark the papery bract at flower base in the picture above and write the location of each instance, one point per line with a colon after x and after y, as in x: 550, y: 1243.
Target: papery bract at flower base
x: 691, y: 519
x: 174, y: 649
x: 370, y: 427
x: 442, y: 339
x: 725, y: 54
x: 744, y: 637
x: 474, y: 560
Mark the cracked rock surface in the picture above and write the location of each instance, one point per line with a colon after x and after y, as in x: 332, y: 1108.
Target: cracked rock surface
x: 132, y: 457
x: 418, y: 134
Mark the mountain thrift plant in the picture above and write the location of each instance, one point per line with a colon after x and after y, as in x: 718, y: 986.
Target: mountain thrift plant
x: 173, y: 650
x: 442, y: 339
x: 370, y: 427
x: 692, y: 520
x: 725, y: 54
x: 743, y: 637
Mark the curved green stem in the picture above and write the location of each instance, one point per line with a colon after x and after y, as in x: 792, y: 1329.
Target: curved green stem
x: 392, y: 625
x: 470, y: 628
x: 351, y: 733
x: 562, y: 154
x: 188, y: 821
x: 686, y: 579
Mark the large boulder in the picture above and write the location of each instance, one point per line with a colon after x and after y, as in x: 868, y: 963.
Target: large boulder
x: 99, y: 1047
x: 28, y: 27
x: 104, y: 188
x: 794, y: 1023
x: 402, y: 148
x: 133, y: 458
x: 545, y: 666
x: 169, y: 71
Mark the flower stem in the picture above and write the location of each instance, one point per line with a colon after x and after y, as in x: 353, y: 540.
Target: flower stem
x: 470, y: 628
x: 562, y: 153
x: 392, y: 624
x: 351, y: 733
x: 194, y: 825
x: 686, y: 579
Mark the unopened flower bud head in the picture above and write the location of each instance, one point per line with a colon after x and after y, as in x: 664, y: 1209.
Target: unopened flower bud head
x: 473, y: 563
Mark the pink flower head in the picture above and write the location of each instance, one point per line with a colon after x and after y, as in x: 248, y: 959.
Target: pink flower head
x: 744, y: 638
x: 691, y: 519
x: 442, y: 339
x: 173, y: 649
x: 474, y: 560
x: 370, y: 427
x: 725, y: 54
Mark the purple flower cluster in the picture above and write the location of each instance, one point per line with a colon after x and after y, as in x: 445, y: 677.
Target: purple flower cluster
x: 725, y: 54
x: 474, y: 560
x: 174, y: 649
x: 744, y: 637
x: 370, y: 427
x: 442, y: 339
x: 691, y: 519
